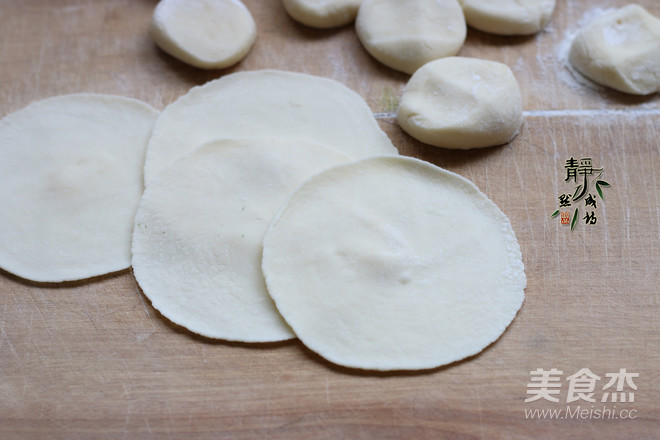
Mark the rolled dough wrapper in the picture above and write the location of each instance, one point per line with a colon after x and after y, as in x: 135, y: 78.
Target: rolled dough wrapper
x: 71, y: 170
x: 405, y: 35
x: 209, y: 34
x: 621, y: 50
x: 508, y: 17
x: 462, y: 103
x: 322, y: 14
x: 267, y: 104
x: 199, y: 228
x: 391, y: 263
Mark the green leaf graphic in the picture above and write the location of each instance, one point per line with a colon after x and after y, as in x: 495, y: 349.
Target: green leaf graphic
x: 602, y: 183
x: 577, y: 190
x: 555, y: 214
x: 575, y: 218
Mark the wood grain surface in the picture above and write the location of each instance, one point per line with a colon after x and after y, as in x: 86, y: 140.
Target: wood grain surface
x: 94, y: 360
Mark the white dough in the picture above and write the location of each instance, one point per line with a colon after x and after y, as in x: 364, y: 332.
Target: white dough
x: 71, y: 172
x: 199, y: 228
x: 405, y: 35
x: 391, y: 263
x: 210, y: 34
x: 267, y: 104
x: 322, y: 14
x: 508, y: 17
x: 621, y: 50
x: 460, y: 102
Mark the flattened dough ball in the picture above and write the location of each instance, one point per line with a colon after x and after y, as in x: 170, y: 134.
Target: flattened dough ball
x: 621, y: 50
x: 199, y: 228
x: 396, y: 265
x: 405, y: 35
x: 322, y: 14
x: 508, y: 17
x: 209, y: 34
x: 71, y: 170
x: 267, y: 104
x: 462, y: 103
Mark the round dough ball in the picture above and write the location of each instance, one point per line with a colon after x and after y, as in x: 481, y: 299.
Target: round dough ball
x: 462, y: 103
x: 209, y: 34
x: 392, y: 263
x: 508, y: 17
x: 322, y: 14
x: 405, y: 35
x: 621, y: 50
x: 71, y: 170
x: 199, y: 228
x: 266, y: 104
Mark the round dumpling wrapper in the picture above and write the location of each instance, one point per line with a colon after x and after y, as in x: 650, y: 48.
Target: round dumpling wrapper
x: 199, y: 229
x: 391, y: 263
x: 267, y: 104
x: 71, y: 172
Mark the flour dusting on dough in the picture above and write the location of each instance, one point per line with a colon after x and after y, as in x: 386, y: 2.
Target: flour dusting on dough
x: 567, y: 73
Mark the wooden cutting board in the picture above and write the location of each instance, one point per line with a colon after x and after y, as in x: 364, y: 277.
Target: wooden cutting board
x: 93, y: 360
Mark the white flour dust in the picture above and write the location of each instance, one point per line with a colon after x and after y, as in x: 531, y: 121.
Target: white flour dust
x: 567, y: 73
